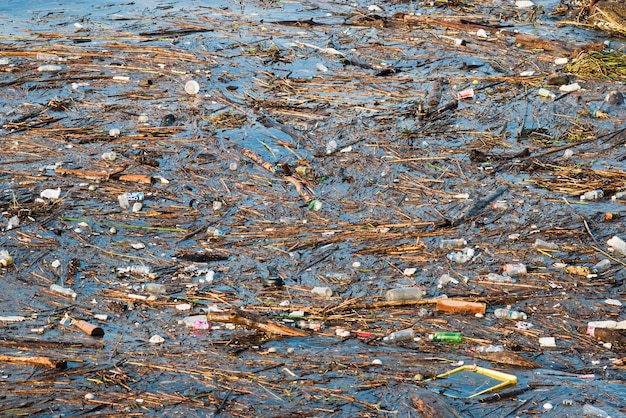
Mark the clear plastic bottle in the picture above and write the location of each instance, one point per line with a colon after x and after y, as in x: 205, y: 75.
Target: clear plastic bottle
x: 109, y: 156
x: 499, y: 278
x: 510, y: 314
x: 66, y: 291
x: 190, y: 321
x: 449, y: 243
x: 489, y: 349
x: 155, y: 289
x: 515, y: 269
x: 404, y: 294
x: 49, y: 68
x: 619, y: 195
x: 322, y: 291
x: 402, y: 335
x: 602, y: 266
x: 592, y: 195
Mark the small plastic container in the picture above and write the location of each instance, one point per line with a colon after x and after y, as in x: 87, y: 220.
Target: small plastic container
x: 592, y: 195
x: 109, y: 156
x: 404, y: 294
x: 499, y: 278
x: 402, y: 335
x: 510, y: 314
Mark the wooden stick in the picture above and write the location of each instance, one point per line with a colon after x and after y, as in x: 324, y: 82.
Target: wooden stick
x: 250, y: 320
x: 38, y: 360
x: 89, y: 329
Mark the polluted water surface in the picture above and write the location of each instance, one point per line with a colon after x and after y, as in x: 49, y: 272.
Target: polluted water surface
x: 312, y: 209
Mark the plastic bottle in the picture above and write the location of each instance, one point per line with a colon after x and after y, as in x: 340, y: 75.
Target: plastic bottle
x: 402, y: 335
x: 510, y: 314
x: 322, y: 291
x: 489, y: 349
x: 49, y: 68
x: 109, y: 156
x: 592, y: 195
x: 123, y: 201
x: 462, y: 256
x: 602, y: 266
x: 592, y: 411
x: 618, y: 245
x: 448, y: 243
x: 448, y: 337
x: 190, y: 321
x: 63, y: 290
x: 539, y: 243
x: 313, y: 325
x: 404, y: 294
x: 499, y: 278
x: 619, y: 195
x: 155, y: 289
x: 515, y: 269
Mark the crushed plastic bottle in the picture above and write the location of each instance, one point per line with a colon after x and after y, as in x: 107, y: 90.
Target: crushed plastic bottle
x: 592, y: 195
x: 592, y: 411
x: 154, y: 289
x: 602, y: 266
x: 404, y: 293
x: 510, y: 314
x: 445, y: 279
x: 499, y: 278
x: 489, y: 349
x: 462, y: 256
x: 402, y: 335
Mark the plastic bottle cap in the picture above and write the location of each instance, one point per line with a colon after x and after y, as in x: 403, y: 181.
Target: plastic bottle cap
x: 192, y: 87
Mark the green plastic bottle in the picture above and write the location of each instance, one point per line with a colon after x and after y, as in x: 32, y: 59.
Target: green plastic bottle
x: 447, y: 337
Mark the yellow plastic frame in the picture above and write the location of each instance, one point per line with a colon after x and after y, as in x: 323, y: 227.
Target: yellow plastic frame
x: 505, y: 378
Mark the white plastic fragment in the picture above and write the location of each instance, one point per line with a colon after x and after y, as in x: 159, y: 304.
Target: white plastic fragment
x: 114, y: 132
x: 547, y: 342
x: 121, y: 78
x: 613, y: 302
x: 527, y: 73
x: 56, y: 264
x: 481, y: 33
x: 137, y: 206
x: 138, y: 245
x: 524, y: 4
x: 409, y: 271
x: 569, y: 88
x: 48, y: 68
x: 183, y: 307
x: 51, y: 193
x: 618, y: 245
x: 463, y: 256
x: 321, y: 67
x: 156, y: 339
x: 561, y: 61
x: 546, y: 93
x: 101, y: 317
x: 12, y: 318
x: 13, y: 222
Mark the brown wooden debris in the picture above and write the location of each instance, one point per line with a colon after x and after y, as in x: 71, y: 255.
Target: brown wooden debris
x: 248, y: 153
x: 37, y: 360
x: 89, y: 329
x: 136, y: 178
x: 250, y: 320
x: 90, y: 175
x: 508, y: 358
x: 298, y: 185
x: 429, y: 404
